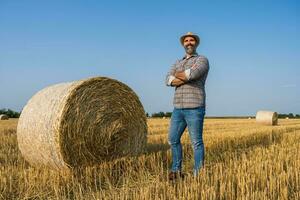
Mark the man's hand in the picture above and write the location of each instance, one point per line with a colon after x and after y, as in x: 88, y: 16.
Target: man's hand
x: 181, y: 76
x: 177, y: 82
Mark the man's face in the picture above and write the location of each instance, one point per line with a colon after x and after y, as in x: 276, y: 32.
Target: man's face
x: 189, y: 44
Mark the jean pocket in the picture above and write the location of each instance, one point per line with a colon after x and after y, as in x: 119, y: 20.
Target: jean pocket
x: 201, y: 110
x: 197, y: 113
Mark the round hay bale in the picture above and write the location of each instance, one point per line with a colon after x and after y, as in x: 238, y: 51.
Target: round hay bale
x: 4, y: 117
x: 82, y: 123
x: 267, y: 117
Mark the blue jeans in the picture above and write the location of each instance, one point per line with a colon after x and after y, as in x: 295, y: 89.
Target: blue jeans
x: 193, y: 119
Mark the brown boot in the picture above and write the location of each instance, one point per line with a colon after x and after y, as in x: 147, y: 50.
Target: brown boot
x: 175, y: 175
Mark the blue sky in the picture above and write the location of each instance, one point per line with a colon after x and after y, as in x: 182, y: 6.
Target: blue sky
x: 253, y: 48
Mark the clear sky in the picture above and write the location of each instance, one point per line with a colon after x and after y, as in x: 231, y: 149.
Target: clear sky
x: 253, y: 48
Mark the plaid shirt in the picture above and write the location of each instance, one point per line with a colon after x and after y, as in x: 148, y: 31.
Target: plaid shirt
x: 192, y: 93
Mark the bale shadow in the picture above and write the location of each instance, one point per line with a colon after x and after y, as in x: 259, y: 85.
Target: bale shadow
x: 122, y: 168
x: 8, y: 132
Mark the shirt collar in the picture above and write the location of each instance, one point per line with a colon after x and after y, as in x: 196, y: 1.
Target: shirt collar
x: 193, y: 55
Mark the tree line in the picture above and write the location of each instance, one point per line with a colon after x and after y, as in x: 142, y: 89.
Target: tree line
x: 290, y: 116
x: 13, y: 114
x: 10, y: 113
x: 160, y: 114
x: 168, y: 114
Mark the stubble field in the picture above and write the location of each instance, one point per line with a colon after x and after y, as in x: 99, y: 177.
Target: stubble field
x: 243, y: 160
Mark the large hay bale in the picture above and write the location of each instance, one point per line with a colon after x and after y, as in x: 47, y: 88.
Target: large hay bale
x: 267, y: 117
x: 4, y: 117
x: 82, y: 123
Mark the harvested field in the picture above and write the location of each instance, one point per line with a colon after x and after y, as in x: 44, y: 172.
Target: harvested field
x: 244, y: 160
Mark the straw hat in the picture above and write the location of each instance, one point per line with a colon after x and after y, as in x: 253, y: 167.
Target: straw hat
x: 191, y: 35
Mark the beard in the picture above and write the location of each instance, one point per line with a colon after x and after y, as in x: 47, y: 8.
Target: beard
x: 190, y: 49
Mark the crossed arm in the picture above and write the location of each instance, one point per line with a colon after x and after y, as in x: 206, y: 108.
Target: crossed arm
x: 175, y: 78
x: 180, y: 79
x: 200, y: 68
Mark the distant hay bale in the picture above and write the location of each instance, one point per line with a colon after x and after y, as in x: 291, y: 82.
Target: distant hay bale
x: 267, y: 117
x: 4, y: 117
x: 82, y: 123
x: 287, y: 118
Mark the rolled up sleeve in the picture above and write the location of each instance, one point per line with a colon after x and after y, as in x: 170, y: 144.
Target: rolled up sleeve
x: 171, y: 74
x: 199, y: 69
x: 187, y: 73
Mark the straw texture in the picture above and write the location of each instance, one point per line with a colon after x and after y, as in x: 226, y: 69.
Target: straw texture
x: 267, y: 117
x: 4, y: 117
x: 82, y: 123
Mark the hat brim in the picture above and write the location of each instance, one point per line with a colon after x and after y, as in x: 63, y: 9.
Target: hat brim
x: 194, y: 36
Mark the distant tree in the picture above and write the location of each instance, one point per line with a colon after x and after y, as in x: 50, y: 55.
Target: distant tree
x: 147, y: 114
x: 162, y: 114
x: 168, y: 114
x: 2, y: 111
x: 282, y: 116
x: 10, y: 113
x: 159, y: 114
x: 290, y: 115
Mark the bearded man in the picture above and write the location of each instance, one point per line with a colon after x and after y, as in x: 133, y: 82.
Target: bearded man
x: 188, y: 76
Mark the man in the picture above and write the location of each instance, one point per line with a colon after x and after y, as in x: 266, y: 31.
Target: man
x: 188, y: 76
